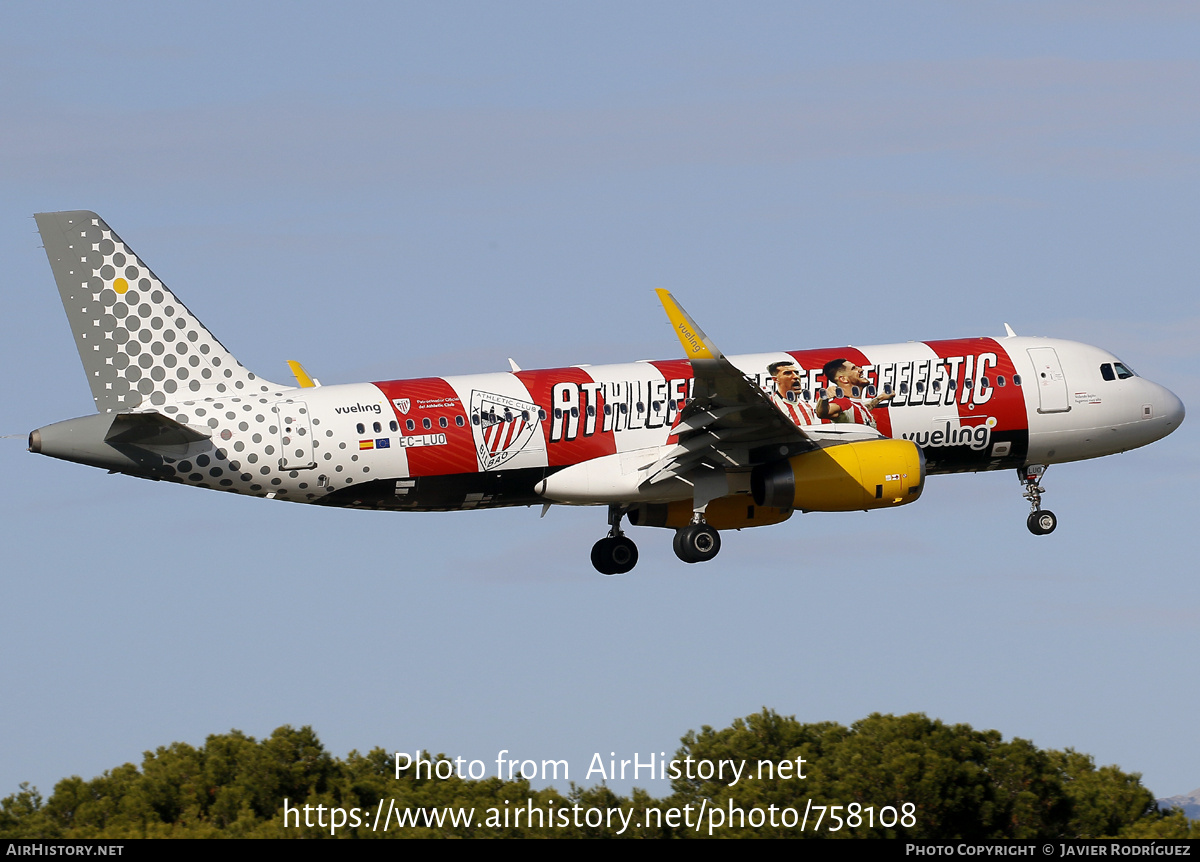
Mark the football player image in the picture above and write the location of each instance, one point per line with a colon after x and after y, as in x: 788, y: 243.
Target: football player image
x: 846, y: 402
x: 787, y: 392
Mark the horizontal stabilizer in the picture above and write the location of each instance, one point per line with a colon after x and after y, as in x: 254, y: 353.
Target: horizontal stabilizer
x: 154, y: 432
x: 134, y: 443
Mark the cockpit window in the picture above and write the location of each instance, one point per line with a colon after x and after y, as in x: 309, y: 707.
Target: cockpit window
x: 1106, y: 371
x: 1124, y: 372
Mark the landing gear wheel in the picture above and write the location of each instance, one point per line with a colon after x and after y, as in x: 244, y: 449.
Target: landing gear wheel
x: 696, y: 543
x: 1041, y: 522
x: 614, y: 555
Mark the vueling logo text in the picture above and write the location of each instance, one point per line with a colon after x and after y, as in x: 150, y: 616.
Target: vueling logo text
x: 976, y: 436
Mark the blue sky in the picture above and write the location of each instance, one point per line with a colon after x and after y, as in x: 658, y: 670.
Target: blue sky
x: 402, y: 190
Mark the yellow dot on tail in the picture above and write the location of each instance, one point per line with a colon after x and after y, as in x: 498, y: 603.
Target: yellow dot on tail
x: 120, y: 285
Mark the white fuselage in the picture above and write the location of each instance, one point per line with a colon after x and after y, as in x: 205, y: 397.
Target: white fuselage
x: 353, y: 444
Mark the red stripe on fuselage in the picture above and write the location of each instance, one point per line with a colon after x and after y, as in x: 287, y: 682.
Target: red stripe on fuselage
x: 969, y: 358
x: 567, y: 438
x: 432, y: 398
x: 678, y: 372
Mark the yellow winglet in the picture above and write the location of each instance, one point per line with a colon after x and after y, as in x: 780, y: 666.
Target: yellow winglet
x: 302, y: 378
x: 696, y: 345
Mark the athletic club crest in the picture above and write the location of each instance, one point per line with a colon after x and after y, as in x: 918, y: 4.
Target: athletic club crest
x: 402, y: 404
x: 505, y: 426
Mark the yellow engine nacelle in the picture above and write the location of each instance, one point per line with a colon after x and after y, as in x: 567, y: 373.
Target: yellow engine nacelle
x: 873, y: 474
x: 727, y: 513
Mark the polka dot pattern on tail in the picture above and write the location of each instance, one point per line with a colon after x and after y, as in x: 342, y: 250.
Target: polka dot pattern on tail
x: 140, y: 345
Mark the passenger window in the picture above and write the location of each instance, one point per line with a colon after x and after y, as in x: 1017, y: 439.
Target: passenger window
x: 574, y: 412
x: 558, y: 413
x: 984, y: 383
x: 624, y: 409
x: 426, y: 424
x: 541, y: 414
x: 608, y: 410
x: 967, y: 383
x: 806, y: 395
x: 903, y: 388
x: 591, y: 410
x: 378, y: 428
x: 459, y: 421
x: 1106, y: 371
x: 474, y: 419
x: 410, y: 425
x: 359, y: 427
x: 952, y: 385
x: 1000, y: 381
x: 1016, y: 380
x: 641, y: 407
x: 838, y: 393
x: 443, y: 422
x: 392, y: 425
x: 920, y: 387
x: 937, y: 386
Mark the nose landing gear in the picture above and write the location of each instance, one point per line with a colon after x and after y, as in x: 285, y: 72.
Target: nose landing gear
x: 1040, y: 521
x: 616, y: 553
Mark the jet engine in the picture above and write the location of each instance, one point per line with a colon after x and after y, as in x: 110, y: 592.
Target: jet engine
x: 871, y: 474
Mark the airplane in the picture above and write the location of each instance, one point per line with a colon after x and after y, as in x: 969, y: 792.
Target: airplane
x: 696, y: 445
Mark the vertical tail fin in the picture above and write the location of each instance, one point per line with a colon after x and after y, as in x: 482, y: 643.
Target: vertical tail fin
x: 139, y: 344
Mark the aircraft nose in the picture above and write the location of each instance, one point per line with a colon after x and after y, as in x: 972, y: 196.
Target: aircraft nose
x: 1171, y: 408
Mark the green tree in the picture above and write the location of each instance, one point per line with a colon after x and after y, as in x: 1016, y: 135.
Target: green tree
x: 958, y: 782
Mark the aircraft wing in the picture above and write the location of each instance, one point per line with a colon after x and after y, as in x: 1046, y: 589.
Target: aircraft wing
x: 731, y: 423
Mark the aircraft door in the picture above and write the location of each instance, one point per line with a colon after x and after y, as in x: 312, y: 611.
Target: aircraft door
x: 295, y: 436
x: 1051, y: 382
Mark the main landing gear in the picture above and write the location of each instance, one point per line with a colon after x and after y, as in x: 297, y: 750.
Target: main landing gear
x: 1040, y: 521
x: 696, y: 543
x: 616, y: 553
